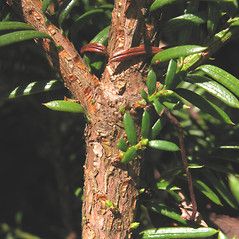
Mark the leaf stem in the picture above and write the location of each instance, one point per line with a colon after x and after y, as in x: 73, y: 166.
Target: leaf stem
x: 176, y: 123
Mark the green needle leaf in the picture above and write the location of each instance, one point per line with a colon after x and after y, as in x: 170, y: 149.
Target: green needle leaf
x: 102, y: 36
x: 134, y: 225
x: 222, y: 236
x: 180, y: 22
x: 223, y: 77
x: 144, y: 95
x: 157, y: 127
x: 220, y: 187
x: 20, y: 36
x: 171, y: 71
x: 158, y: 106
x: 163, y: 184
x: 14, y: 26
x: 192, y: 18
x: 35, y: 87
x: 163, y: 145
x: 130, y: 129
x: 178, y: 232
x: 204, y: 105
x: 67, y: 10
x: 122, y: 145
x: 215, y: 89
x: 151, y: 82
x: 161, y: 3
x: 176, y: 52
x: 65, y: 106
x: 236, y: 147
x: 234, y: 186
x: 235, y: 23
x: 146, y: 125
x: 203, y: 188
x: 129, y: 155
x: 167, y: 211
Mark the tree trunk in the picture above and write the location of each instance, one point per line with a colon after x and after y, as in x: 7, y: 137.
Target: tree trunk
x: 107, y: 181
x: 105, y: 177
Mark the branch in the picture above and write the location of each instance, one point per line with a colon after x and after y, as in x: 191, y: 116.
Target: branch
x: 127, y: 27
x: 176, y: 123
x: 67, y: 61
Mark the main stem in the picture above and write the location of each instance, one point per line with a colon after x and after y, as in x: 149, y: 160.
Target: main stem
x: 107, y: 180
x: 110, y: 191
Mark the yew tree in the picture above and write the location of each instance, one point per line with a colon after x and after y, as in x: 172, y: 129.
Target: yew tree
x: 152, y: 96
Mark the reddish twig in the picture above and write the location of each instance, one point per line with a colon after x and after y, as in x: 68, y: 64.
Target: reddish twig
x: 95, y: 48
x: 120, y: 55
x: 133, y: 52
x: 176, y: 123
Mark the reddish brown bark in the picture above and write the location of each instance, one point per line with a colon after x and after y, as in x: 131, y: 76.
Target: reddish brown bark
x: 105, y: 177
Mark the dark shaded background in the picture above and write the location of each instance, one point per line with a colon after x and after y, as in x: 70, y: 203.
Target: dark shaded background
x: 42, y: 152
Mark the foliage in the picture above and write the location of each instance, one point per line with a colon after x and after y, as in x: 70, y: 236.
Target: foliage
x: 202, y: 96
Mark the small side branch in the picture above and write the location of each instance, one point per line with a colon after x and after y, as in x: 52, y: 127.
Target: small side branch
x: 176, y: 123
